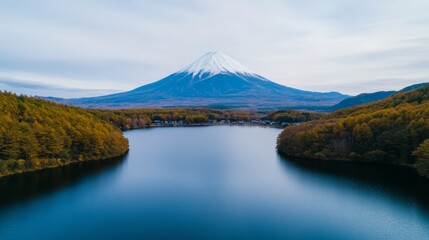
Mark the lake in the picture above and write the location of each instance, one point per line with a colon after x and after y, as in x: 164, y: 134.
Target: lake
x: 223, y: 182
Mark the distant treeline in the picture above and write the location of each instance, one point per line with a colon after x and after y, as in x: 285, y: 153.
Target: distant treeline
x: 292, y: 116
x: 37, y: 134
x: 138, y: 118
x: 394, y: 130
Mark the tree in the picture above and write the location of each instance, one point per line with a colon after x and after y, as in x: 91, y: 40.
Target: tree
x: 362, y: 135
x: 422, y: 154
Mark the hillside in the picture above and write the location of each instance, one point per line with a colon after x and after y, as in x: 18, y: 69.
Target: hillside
x: 393, y: 130
x: 371, y: 97
x: 362, y: 99
x: 37, y: 134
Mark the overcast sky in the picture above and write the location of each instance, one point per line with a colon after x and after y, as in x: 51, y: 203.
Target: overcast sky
x: 87, y: 48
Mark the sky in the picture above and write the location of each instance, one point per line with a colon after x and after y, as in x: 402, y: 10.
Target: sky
x: 82, y: 48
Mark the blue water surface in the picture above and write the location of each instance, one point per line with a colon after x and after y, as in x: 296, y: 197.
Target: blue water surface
x: 213, y: 183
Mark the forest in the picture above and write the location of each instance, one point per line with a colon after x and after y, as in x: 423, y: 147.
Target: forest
x: 394, y: 130
x: 127, y: 119
x: 292, y: 116
x: 37, y: 134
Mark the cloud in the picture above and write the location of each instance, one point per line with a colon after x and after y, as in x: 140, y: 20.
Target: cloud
x: 39, y: 88
x: 319, y: 46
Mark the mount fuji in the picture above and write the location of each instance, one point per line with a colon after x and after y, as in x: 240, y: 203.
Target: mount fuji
x: 214, y: 80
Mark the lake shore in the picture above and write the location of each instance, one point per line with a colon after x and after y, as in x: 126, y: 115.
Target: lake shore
x: 154, y: 125
x: 217, y: 181
x: 14, y: 167
x: 408, y: 166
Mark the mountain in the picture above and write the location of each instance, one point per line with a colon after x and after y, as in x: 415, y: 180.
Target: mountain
x: 371, y: 97
x: 394, y: 130
x: 214, y: 80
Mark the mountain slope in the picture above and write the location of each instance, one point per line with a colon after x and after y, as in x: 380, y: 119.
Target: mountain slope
x: 393, y: 130
x: 214, y: 79
x: 37, y: 134
x: 371, y: 97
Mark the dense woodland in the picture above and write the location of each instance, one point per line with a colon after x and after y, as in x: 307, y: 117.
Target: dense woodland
x: 393, y: 130
x: 127, y: 119
x: 137, y: 118
x: 36, y: 134
x: 291, y: 116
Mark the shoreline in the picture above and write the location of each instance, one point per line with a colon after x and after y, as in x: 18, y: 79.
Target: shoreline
x: 299, y: 160
x: 59, y: 162
x: 203, y: 125
x: 56, y: 163
x: 62, y: 162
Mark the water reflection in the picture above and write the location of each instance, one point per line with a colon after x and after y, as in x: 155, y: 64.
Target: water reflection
x: 213, y: 183
x: 16, y: 189
x: 397, y: 183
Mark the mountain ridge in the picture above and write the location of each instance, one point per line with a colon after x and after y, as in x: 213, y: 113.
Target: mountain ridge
x: 364, y: 98
x: 213, y: 79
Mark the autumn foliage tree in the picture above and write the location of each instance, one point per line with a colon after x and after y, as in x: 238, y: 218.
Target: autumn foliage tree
x: 36, y: 134
x: 422, y: 154
x: 127, y: 119
x: 393, y: 130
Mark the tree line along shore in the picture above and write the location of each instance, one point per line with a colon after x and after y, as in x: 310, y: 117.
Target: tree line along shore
x: 37, y: 134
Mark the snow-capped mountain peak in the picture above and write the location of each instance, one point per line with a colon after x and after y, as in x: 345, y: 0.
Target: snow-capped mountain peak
x: 213, y: 63
x: 214, y: 80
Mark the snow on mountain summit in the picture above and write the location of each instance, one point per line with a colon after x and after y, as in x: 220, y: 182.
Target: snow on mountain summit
x: 213, y: 63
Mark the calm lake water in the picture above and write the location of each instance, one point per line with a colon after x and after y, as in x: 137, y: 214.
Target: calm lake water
x: 213, y: 183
